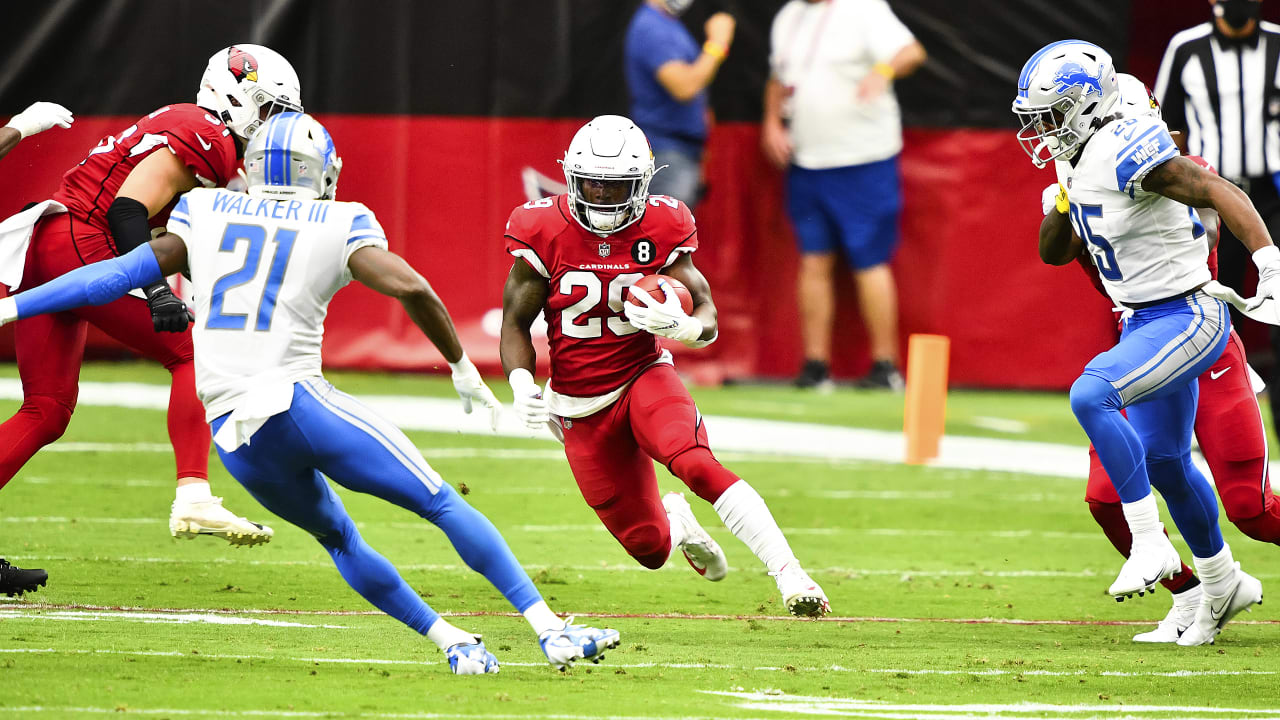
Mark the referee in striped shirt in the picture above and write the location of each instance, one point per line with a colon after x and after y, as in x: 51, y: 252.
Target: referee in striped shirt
x: 1218, y: 89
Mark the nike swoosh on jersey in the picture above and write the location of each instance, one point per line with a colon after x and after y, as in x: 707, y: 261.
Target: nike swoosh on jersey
x: 203, y: 144
x: 1216, y: 375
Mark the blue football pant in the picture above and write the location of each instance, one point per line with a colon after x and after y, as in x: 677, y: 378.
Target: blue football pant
x: 1153, y: 373
x: 327, y: 431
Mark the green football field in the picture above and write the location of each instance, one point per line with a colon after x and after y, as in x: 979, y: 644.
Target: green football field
x: 955, y: 593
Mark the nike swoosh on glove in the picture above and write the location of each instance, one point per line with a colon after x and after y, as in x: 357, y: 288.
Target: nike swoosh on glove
x: 665, y: 318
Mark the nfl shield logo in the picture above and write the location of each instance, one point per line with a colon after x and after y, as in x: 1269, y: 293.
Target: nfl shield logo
x: 604, y: 249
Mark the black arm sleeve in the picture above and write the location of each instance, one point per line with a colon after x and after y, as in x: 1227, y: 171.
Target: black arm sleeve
x: 128, y: 221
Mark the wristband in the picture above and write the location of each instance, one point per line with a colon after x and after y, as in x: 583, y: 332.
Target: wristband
x: 884, y: 69
x: 464, y: 364
x: 1061, y: 202
x: 715, y: 50
x: 521, y: 378
x: 1268, y: 255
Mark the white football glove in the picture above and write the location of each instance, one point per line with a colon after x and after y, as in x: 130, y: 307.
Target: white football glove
x: 528, y: 402
x: 1268, y: 261
x: 471, y: 388
x: 664, y: 318
x: 40, y: 117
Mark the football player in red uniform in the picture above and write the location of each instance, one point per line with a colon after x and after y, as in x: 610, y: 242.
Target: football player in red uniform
x: 37, y: 118
x: 106, y: 206
x: 1228, y: 428
x: 614, y: 396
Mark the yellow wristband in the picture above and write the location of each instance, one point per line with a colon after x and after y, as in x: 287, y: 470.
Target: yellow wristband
x: 1061, y: 203
x: 884, y: 69
x: 715, y: 50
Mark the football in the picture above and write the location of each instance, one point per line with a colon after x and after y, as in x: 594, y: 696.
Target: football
x: 649, y: 283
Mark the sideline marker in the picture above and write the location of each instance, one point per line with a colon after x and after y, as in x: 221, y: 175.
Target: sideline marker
x: 926, y: 398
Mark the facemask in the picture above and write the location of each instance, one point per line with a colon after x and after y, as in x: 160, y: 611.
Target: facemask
x: 677, y: 7
x: 1238, y: 13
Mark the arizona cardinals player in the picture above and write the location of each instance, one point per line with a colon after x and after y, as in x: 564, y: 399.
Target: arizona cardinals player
x: 614, y: 396
x: 106, y: 206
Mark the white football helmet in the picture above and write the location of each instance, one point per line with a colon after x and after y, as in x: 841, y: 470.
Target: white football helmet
x: 292, y: 156
x: 613, y: 153
x: 246, y: 84
x: 1136, y: 99
x: 1064, y: 92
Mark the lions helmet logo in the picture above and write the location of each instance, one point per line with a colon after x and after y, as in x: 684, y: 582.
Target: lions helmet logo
x: 242, y: 65
x: 1074, y: 75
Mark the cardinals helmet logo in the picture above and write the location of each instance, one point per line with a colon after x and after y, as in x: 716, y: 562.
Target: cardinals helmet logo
x: 242, y: 65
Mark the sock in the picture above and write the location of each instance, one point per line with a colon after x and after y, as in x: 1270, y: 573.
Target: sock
x: 1143, y: 517
x: 1191, y: 583
x: 188, y: 431
x: 745, y: 514
x: 482, y: 548
x: 193, y: 492
x: 1096, y: 405
x: 541, y: 619
x: 445, y: 635
x: 1216, y: 571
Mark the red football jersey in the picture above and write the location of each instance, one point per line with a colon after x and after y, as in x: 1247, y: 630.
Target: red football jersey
x: 594, y: 350
x: 199, y: 139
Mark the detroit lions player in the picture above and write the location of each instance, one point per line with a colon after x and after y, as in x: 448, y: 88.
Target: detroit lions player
x: 264, y: 267
x: 1127, y: 187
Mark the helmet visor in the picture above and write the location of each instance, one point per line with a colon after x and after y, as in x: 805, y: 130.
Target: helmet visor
x: 606, y: 203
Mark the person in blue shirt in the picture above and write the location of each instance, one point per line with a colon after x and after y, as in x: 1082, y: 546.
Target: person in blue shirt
x: 667, y: 76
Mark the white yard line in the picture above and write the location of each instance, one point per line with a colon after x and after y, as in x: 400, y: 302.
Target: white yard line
x: 155, y: 618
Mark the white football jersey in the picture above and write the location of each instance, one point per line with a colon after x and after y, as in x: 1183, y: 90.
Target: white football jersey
x: 262, y: 274
x: 1146, y: 246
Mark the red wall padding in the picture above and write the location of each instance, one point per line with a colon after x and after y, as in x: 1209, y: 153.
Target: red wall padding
x: 443, y: 187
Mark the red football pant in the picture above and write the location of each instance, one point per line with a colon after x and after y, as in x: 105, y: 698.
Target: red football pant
x: 611, y: 454
x: 1234, y: 443
x: 50, y: 349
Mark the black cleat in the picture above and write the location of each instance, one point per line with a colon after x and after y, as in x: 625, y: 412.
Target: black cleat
x: 15, y: 581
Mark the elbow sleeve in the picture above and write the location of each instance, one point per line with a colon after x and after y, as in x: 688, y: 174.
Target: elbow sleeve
x: 127, y: 219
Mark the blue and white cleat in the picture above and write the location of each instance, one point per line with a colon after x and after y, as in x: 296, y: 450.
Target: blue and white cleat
x: 471, y: 659
x: 576, y: 642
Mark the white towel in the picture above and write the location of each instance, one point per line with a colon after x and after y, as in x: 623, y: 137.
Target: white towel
x: 15, y: 236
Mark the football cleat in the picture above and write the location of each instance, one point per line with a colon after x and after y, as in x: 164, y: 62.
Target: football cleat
x: 15, y: 580
x: 208, y: 517
x: 1149, y: 562
x: 576, y: 642
x: 1180, y: 617
x: 1242, y: 591
x: 471, y: 659
x: 703, y: 553
x: 802, y: 596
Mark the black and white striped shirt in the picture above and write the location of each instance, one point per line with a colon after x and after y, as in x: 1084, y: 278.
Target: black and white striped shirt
x: 1224, y: 95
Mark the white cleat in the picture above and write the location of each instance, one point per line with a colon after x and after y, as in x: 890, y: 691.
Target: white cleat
x: 208, y: 517
x: 1180, y: 617
x: 703, y: 553
x: 1242, y: 591
x: 1149, y: 562
x: 802, y: 596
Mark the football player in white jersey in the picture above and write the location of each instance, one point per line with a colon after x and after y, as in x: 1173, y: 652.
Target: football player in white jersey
x: 1128, y: 188
x: 263, y: 268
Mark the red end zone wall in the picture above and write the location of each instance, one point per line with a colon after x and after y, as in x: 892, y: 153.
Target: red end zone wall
x: 443, y: 188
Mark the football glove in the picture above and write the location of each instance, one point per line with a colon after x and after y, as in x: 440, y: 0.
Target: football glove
x: 1268, y: 261
x: 528, y: 402
x: 1054, y: 197
x: 665, y: 318
x: 40, y: 117
x: 471, y: 388
x: 168, y: 312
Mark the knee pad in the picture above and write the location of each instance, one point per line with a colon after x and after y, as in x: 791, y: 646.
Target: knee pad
x: 51, y: 414
x: 704, y: 475
x: 1090, y: 393
x: 648, y: 543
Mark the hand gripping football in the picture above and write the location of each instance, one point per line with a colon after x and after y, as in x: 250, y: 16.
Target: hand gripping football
x: 649, y: 283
